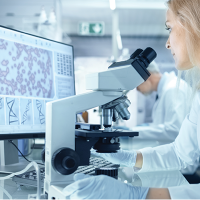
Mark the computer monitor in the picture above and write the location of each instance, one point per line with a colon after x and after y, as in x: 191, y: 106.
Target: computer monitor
x: 33, y: 71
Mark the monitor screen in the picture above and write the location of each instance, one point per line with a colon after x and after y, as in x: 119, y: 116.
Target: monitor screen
x: 33, y: 71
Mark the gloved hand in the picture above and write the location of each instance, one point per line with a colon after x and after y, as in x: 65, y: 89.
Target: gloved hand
x: 102, y: 187
x: 123, y: 157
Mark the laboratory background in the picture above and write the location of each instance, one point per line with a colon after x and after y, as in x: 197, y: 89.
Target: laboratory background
x: 95, y: 34
x: 99, y: 35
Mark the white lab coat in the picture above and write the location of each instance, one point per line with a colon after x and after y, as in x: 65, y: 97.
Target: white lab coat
x: 168, y: 111
x: 183, y: 152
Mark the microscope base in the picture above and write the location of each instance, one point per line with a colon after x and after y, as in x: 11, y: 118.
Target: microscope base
x: 56, y: 192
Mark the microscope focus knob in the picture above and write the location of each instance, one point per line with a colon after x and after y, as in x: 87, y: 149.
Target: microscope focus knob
x: 65, y: 161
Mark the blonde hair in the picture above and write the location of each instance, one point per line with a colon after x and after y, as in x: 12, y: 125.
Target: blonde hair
x: 188, y: 15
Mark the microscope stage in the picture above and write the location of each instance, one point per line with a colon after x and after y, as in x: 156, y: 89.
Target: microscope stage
x: 101, y: 133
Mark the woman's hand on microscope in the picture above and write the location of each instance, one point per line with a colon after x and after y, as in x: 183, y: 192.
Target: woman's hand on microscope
x: 122, y: 157
x: 102, y: 187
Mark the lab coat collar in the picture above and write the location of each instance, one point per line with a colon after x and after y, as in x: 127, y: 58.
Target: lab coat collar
x: 166, y: 77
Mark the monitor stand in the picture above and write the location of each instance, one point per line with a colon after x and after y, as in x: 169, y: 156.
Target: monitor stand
x: 9, y: 159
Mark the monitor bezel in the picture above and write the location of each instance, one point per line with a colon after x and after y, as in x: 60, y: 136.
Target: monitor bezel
x: 9, y: 136
x: 16, y: 136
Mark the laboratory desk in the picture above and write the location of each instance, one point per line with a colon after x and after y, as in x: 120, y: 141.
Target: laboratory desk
x: 9, y: 189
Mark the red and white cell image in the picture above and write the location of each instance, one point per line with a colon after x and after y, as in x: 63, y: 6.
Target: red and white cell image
x: 25, y: 70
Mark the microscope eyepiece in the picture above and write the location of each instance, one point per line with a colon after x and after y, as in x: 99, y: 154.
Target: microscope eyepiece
x: 136, y: 53
x: 148, y: 54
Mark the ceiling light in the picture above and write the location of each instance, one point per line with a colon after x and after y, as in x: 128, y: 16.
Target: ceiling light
x: 112, y: 4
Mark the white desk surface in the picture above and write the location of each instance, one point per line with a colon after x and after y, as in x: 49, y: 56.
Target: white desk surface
x: 126, y: 175
x: 153, y: 179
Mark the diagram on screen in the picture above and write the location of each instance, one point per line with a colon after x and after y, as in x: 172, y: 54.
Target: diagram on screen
x: 12, y: 111
x: 39, y: 112
x: 25, y: 70
x: 2, y: 112
x: 26, y: 111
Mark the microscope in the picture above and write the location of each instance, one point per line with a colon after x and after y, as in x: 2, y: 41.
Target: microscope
x: 68, y: 143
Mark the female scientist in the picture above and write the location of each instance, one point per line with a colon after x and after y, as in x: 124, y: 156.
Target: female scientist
x: 183, y: 23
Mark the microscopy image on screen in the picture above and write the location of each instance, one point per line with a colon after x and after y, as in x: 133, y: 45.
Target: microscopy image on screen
x: 25, y: 70
x: 2, y: 111
x: 39, y: 111
x: 12, y: 111
x: 26, y: 111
